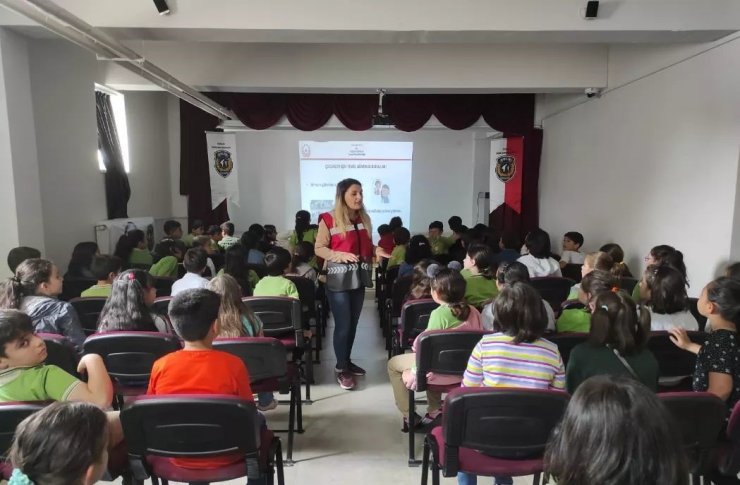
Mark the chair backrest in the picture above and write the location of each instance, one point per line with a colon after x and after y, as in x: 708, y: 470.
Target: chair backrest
x: 672, y: 361
x: 192, y: 426
x: 281, y: 316
x: 627, y: 284
x: 307, y: 294
x: 700, y: 417
x: 389, y: 277
x: 11, y: 415
x: 700, y: 319
x: 399, y: 290
x: 163, y: 285
x: 572, y: 271
x: 161, y: 305
x: 730, y: 463
x: 553, y: 290
x: 263, y: 356
x: 500, y: 422
x: 571, y: 305
x: 129, y: 356
x: 60, y: 352
x: 260, y: 269
x: 415, y: 318
x: 566, y: 342
x: 444, y: 353
x: 88, y: 310
x: 72, y: 287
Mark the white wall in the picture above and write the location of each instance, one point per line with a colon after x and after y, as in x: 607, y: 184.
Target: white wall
x: 441, y: 185
x: 653, y: 162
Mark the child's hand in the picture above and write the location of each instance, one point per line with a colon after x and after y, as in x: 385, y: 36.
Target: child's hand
x: 680, y: 338
x: 409, y: 379
x: 89, y: 360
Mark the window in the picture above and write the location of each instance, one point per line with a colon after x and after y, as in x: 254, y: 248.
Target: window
x: 119, y: 113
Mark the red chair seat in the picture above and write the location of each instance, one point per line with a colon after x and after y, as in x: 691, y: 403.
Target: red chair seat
x: 472, y: 461
x: 128, y: 390
x: 288, y: 341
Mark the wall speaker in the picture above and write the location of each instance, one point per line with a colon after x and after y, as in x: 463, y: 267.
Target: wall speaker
x: 592, y: 9
x: 163, y: 9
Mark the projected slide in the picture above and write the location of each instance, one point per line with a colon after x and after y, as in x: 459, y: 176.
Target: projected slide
x: 383, y: 168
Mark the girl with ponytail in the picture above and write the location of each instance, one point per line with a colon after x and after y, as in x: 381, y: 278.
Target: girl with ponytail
x: 479, y: 274
x: 132, y: 249
x: 128, y: 306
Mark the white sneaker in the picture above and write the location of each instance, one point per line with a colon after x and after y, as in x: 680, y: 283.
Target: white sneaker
x: 268, y: 407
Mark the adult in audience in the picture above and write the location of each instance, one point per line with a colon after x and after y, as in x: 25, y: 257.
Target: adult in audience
x: 418, y: 249
x: 81, y: 260
x: 663, y: 290
x: 592, y: 285
x: 195, y: 264
x: 616, y: 432
x: 34, y: 289
x: 616, y: 344
x: 664, y: 255
x: 620, y: 268
x: 303, y: 230
x: 17, y: 255
x: 718, y: 360
x: 344, y: 236
x: 133, y: 250
x: 538, y: 260
x: 129, y: 306
x: 105, y: 268
x: 227, y: 236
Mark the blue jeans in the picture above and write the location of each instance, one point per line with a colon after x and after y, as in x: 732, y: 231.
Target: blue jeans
x: 265, y: 398
x: 346, y: 307
x: 470, y: 479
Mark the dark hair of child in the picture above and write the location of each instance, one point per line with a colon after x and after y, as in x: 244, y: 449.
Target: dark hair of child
x: 519, y: 312
x: 615, y: 322
x: 58, y: 444
x: 616, y: 431
x: 105, y: 264
x: 450, y: 288
x: 126, y: 244
x: 82, y: 256
x: 28, y: 276
x: 481, y: 256
x: 620, y: 268
x: 17, y: 255
x: 195, y: 260
x: 125, y: 309
x: 193, y: 311
x: 421, y: 284
x: 277, y: 260
x: 437, y: 225
x: 576, y: 237
x: 538, y: 243
x: 509, y: 273
x: 14, y: 325
x: 171, y: 226
x: 395, y: 222
x: 228, y: 228
x: 418, y: 249
x: 401, y: 236
x: 668, y: 255
x: 667, y: 287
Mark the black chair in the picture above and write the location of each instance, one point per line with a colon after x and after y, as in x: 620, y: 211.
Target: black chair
x: 571, y: 305
x: 389, y: 277
x: 553, y: 290
x: 413, y: 320
x: 566, y: 342
x: 163, y: 285
x: 129, y: 357
x: 442, y: 353
x: 269, y: 372
x: 157, y: 428
x: 627, y: 284
x: 282, y: 320
x: 60, y: 352
x: 676, y: 365
x: 88, y: 310
x: 493, y: 432
x: 161, y: 305
x: 572, y: 271
x: 700, y: 319
x: 392, y: 306
x: 310, y: 308
x: 728, y: 462
x: 72, y: 287
x: 11, y: 415
x: 700, y: 417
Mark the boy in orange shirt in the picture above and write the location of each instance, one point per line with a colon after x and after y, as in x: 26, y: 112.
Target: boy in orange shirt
x: 198, y: 369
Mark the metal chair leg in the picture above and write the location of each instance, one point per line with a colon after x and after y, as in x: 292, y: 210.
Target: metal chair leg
x: 425, y: 462
x: 412, y: 425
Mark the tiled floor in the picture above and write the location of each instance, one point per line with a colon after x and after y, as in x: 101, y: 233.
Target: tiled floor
x: 353, y: 437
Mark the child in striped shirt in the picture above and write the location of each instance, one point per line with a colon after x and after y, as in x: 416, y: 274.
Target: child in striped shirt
x: 517, y: 355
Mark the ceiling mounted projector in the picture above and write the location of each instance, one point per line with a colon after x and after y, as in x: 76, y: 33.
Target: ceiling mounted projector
x: 381, y: 119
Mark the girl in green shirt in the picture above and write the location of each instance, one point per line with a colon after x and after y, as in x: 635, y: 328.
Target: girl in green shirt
x: 479, y: 277
x: 448, y: 289
x: 592, y: 285
x: 133, y: 251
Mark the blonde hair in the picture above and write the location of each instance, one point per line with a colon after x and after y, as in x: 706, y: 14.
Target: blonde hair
x: 232, y: 308
x: 340, y: 214
x: 599, y: 260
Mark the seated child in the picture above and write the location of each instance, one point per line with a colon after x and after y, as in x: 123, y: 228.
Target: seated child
x: 453, y: 313
x: 17, y: 255
x: 215, y: 233
x: 572, y: 242
x: 41, y: 452
x: 507, y: 274
x: 598, y: 260
x: 509, y: 244
x: 204, y: 243
x: 277, y: 262
x: 538, y: 260
x: 733, y: 271
x: 386, y: 237
x: 663, y: 255
x: 401, y: 237
x: 663, y: 290
x: 132, y: 249
x: 718, y: 360
x: 172, y: 230
x: 194, y: 263
x: 517, y: 355
x: 170, y: 253
x: 198, y: 368
x: 615, y: 251
x: 105, y: 268
x: 417, y: 249
x: 592, y: 285
x: 129, y: 306
x: 236, y: 266
x: 479, y: 277
x: 440, y: 244
x: 300, y: 265
x: 196, y: 229
x: 235, y: 319
x: 227, y: 236
x: 421, y: 283
x: 34, y: 290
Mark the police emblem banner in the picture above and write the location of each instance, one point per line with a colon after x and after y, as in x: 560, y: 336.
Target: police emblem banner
x: 507, y: 167
x: 222, y: 161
